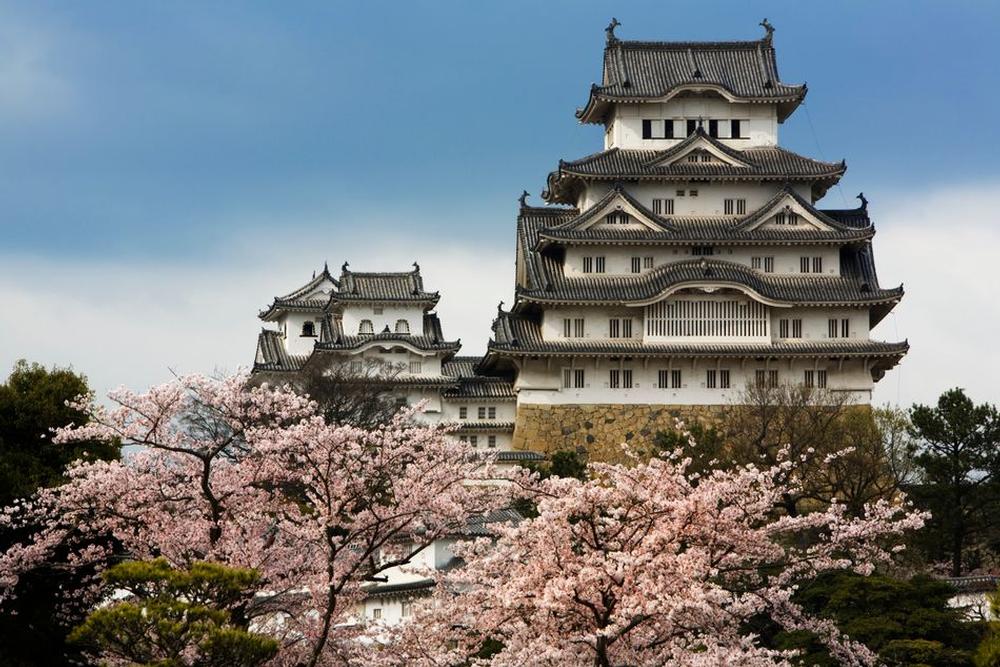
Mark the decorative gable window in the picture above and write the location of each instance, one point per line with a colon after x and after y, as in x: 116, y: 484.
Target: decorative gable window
x: 663, y: 206
x: 309, y: 329
x: 403, y: 327
x: 703, y: 250
x: 366, y: 328
x: 786, y: 218
x: 618, y: 218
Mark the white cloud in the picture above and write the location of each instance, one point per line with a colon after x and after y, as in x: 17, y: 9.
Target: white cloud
x: 131, y: 323
x: 943, y: 245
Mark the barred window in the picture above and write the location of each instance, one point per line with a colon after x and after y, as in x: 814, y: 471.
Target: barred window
x: 588, y: 264
x: 481, y: 412
x: 817, y: 265
x: 599, y: 265
x: 845, y: 328
x: 797, y: 328
x: 703, y: 250
x: 769, y: 265
x: 724, y: 379
x: 804, y: 264
x: 710, y: 378
x: 755, y: 263
x: 614, y: 378
x: 491, y: 441
x: 491, y: 412
x: 675, y: 379
x: 474, y: 440
x: 573, y: 378
x: 415, y: 367
x: 620, y: 327
x: 821, y: 379
x: 463, y: 412
x: 366, y: 328
x: 766, y: 378
x: 636, y: 264
x: 647, y: 262
x: 663, y: 379
x: 663, y: 206
x: 831, y: 328
x: 618, y: 218
x: 403, y: 327
x: 782, y: 328
x: 737, y: 206
x: 573, y: 327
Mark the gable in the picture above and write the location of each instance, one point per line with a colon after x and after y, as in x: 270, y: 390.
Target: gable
x: 700, y: 150
x: 788, y: 213
x: 619, y: 213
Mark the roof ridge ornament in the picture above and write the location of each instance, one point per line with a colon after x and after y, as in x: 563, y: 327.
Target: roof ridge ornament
x: 864, y: 201
x: 416, y: 267
x: 766, y: 25
x: 523, y: 199
x: 343, y: 267
x: 609, y: 32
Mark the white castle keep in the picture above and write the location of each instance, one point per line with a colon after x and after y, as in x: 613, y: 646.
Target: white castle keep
x: 682, y: 261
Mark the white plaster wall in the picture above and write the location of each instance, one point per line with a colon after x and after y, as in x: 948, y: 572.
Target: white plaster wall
x: 353, y: 314
x: 291, y: 325
x: 618, y: 259
x: 539, y: 384
x: 708, y: 202
x: 625, y: 127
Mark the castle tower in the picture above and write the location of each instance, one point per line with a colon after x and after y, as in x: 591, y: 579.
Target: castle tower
x: 687, y: 258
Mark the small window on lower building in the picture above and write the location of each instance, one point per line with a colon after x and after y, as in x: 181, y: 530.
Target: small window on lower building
x: 491, y: 441
x: 647, y: 262
x: 356, y: 367
x: 845, y: 328
x: 766, y: 378
x: 796, y: 328
x: 415, y: 367
x: 636, y: 264
x: 821, y: 379
x: 463, y: 438
x: 377, y: 613
x: 724, y: 378
x: 474, y: 440
x: 481, y: 413
x: 573, y: 378
x: 675, y: 379
x: 831, y: 328
x: 463, y: 412
x: 817, y: 265
x: 406, y: 609
x: 491, y: 412
x: 663, y: 206
x: 769, y: 265
x: 711, y: 378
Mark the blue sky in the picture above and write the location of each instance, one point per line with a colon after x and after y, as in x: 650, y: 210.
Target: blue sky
x: 232, y: 147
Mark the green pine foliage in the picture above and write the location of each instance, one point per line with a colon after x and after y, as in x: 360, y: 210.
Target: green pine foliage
x: 175, y: 618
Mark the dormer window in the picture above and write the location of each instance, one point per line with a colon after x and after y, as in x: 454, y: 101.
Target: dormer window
x: 786, y: 218
x: 309, y: 329
x: 366, y: 328
x: 403, y: 327
x: 618, y: 218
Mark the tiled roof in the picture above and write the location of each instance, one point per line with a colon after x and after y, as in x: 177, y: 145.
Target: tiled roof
x: 519, y: 455
x: 636, y: 71
x: 479, y: 526
x: 470, y: 385
x: 851, y: 288
x: 426, y: 343
x: 421, y: 586
x: 520, y: 335
x: 271, y: 353
x: 401, y: 286
x: 305, y: 297
x: 762, y: 163
x: 678, y: 230
x: 465, y: 426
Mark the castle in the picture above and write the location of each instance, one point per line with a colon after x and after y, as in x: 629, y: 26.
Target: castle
x: 666, y: 271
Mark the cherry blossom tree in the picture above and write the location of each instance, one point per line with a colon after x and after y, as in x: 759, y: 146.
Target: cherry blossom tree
x: 649, y: 564
x: 254, y: 477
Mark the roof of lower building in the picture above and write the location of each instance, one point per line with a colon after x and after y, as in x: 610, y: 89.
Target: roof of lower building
x: 323, y: 291
x: 470, y: 385
x: 272, y: 356
x: 406, y: 286
x: 636, y: 71
x: 627, y: 164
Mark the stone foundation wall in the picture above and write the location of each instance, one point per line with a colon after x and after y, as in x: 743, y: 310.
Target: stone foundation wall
x: 600, y: 430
